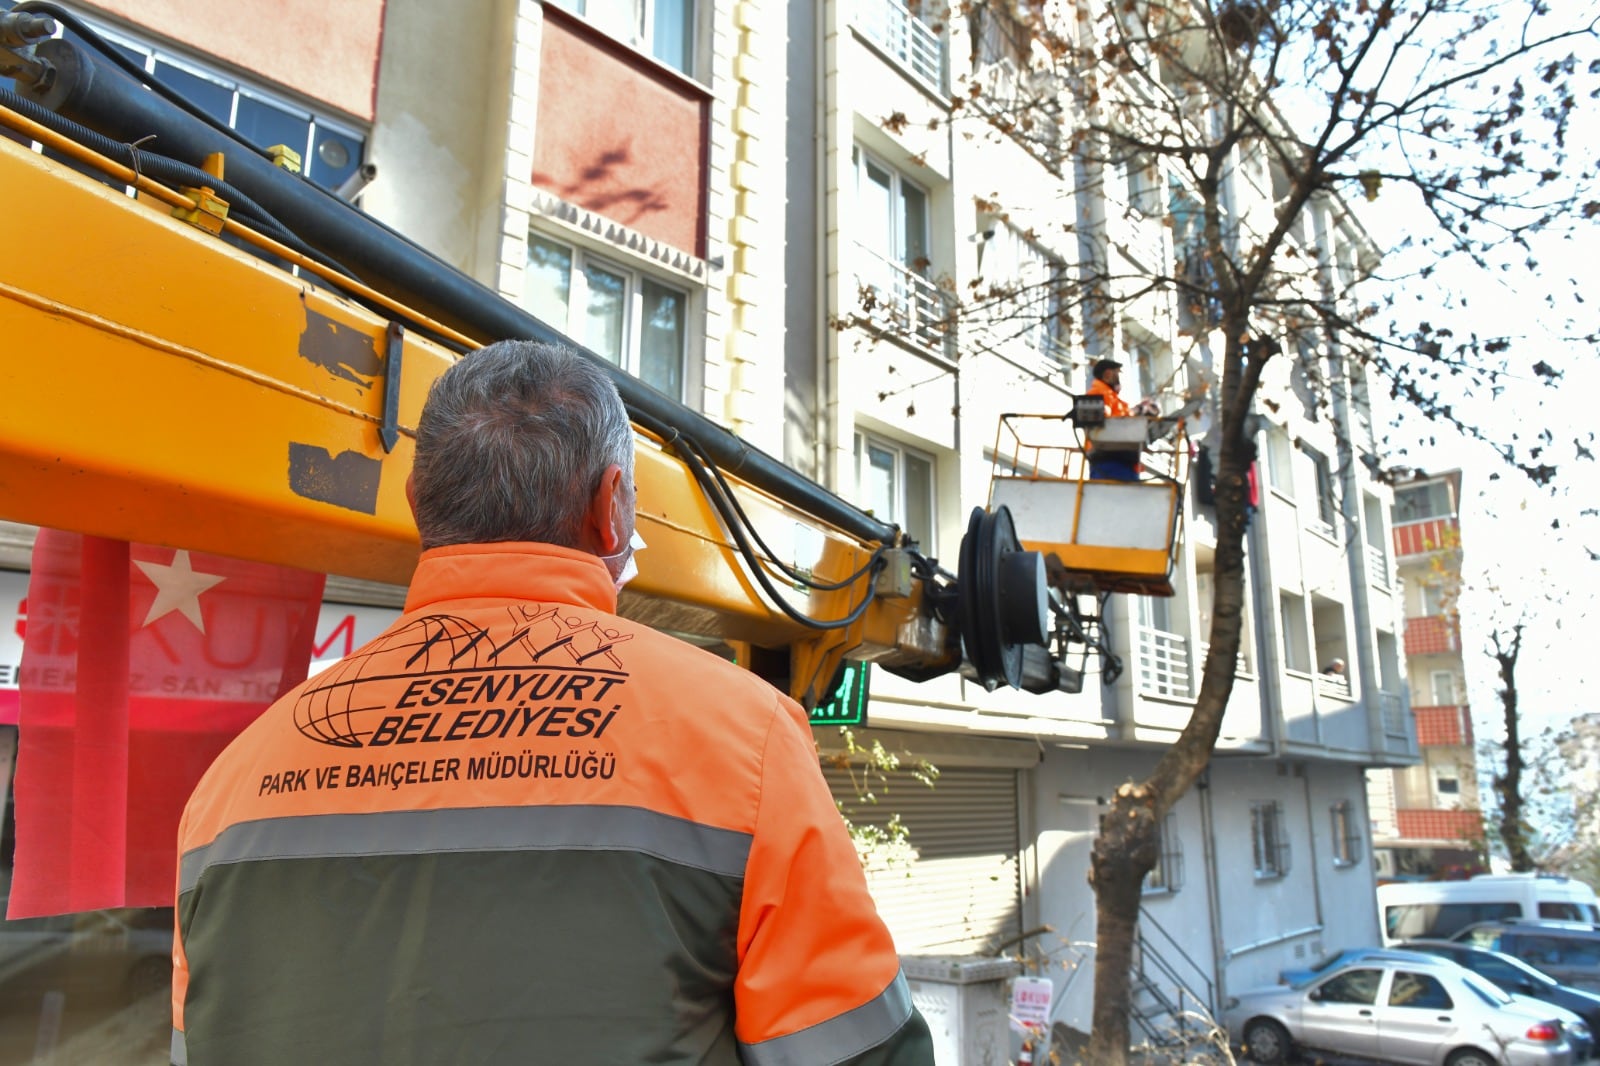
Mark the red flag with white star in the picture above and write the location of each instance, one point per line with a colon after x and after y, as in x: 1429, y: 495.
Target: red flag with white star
x: 139, y: 664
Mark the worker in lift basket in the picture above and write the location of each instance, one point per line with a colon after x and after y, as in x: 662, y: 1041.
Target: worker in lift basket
x: 1107, y: 385
x: 533, y: 831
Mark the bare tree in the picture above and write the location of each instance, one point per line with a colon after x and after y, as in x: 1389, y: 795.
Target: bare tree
x: 1464, y: 105
x: 1514, y: 831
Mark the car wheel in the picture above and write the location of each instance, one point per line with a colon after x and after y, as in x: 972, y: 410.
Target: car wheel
x: 1470, y: 1057
x: 1266, y: 1041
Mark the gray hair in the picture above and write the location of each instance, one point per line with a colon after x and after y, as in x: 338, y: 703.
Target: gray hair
x: 512, y: 443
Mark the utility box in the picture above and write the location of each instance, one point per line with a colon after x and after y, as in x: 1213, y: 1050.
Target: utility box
x: 963, y: 998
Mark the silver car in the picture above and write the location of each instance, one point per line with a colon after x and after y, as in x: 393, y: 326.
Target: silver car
x: 1432, y: 1013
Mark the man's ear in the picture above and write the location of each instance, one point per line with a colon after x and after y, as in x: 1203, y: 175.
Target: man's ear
x: 605, y: 513
x: 411, y: 491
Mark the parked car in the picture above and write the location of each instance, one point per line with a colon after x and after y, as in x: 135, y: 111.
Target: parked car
x: 1566, y: 951
x: 1513, y: 975
x: 1419, y: 1013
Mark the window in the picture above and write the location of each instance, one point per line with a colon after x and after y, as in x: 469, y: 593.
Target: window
x: 997, y: 36
x: 662, y: 28
x: 1168, y: 873
x: 892, y: 265
x: 1352, y: 986
x: 1415, y: 503
x: 629, y: 318
x: 1269, y: 842
x: 892, y: 212
x: 1377, y: 543
x: 1564, y: 912
x: 1144, y: 184
x: 895, y: 483
x: 1327, y: 508
x: 1443, y: 685
x: 1447, y: 784
x: 1280, y: 460
x: 1346, y: 836
x: 1433, y: 597
x: 1438, y: 921
x: 1039, y: 303
x: 1296, y: 642
x: 1419, y: 991
x: 329, y: 153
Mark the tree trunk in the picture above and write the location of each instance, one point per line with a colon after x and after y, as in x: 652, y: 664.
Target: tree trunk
x: 1508, y: 785
x: 1128, y: 844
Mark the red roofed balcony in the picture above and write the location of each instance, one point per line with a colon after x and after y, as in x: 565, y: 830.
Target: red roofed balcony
x: 1428, y: 535
x: 1433, y: 634
x: 1443, y: 727
x: 1440, y: 825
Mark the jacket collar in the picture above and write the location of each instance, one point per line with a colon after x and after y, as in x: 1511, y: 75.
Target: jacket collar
x: 511, y: 570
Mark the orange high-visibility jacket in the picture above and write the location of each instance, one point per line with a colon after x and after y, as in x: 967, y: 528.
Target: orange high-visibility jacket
x: 1116, y: 406
x: 518, y: 828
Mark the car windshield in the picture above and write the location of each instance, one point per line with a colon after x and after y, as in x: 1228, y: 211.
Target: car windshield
x: 1486, y: 991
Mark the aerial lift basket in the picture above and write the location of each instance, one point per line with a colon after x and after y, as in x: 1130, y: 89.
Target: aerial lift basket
x: 1096, y: 536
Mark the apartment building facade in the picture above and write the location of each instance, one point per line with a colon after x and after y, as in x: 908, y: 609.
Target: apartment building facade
x: 762, y: 209
x: 1427, y: 821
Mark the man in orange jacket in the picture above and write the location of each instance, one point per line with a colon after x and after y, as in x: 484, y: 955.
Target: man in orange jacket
x: 516, y: 827
x: 1107, y: 385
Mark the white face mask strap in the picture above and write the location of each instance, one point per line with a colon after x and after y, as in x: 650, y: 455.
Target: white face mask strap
x: 630, y: 567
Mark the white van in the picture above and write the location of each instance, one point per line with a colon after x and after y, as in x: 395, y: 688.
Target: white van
x: 1417, y: 910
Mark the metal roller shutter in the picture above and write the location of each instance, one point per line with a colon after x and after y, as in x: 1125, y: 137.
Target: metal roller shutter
x: 962, y: 894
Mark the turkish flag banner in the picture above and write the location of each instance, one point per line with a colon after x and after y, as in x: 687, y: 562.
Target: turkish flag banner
x: 139, y: 665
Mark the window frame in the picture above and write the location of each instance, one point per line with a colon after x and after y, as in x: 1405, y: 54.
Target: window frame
x: 635, y: 279
x: 865, y: 438
x: 239, y: 88
x: 900, y: 247
x: 1269, y: 840
x: 1436, y: 492
x: 1295, y: 627
x: 1433, y: 687
x: 641, y: 36
x: 1326, y: 518
x: 1279, y: 453
x: 1166, y: 876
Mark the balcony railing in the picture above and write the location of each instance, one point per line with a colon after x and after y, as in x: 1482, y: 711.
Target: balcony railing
x: 1163, y: 663
x: 898, y: 31
x: 1334, y: 685
x: 1426, y: 535
x: 1392, y: 712
x: 1377, y: 566
x: 1443, y: 726
x: 1434, y: 634
x: 902, y: 304
x: 1241, y: 668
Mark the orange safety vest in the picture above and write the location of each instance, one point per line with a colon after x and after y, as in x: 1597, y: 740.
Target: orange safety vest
x: 517, y: 827
x: 1116, y: 406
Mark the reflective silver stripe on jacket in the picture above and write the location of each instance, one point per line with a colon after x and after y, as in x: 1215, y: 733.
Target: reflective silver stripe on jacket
x: 554, y: 828
x: 180, y: 1050
x: 838, y: 1038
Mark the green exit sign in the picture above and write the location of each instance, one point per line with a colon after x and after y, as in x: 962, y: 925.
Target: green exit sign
x: 848, y: 703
